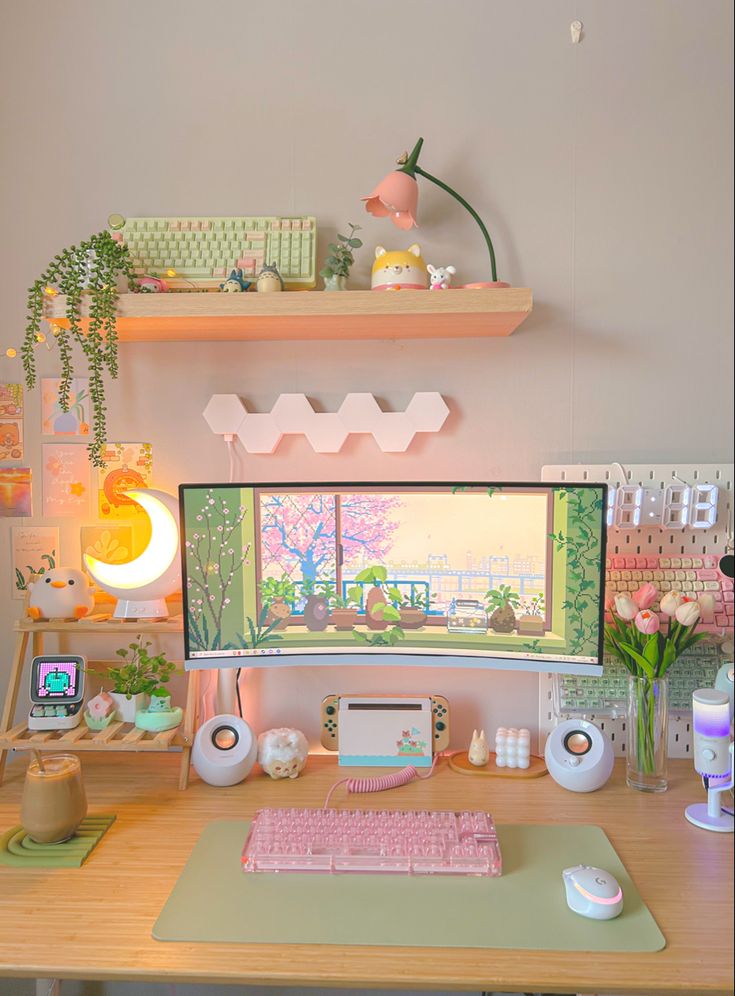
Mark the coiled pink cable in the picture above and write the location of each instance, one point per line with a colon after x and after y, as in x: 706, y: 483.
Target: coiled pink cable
x: 382, y: 782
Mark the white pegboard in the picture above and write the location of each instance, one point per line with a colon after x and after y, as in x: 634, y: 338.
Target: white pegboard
x: 647, y: 540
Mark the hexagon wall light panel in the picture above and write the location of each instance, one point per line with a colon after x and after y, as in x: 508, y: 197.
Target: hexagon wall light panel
x: 293, y: 414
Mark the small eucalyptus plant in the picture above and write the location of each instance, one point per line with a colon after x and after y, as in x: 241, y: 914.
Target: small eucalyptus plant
x: 92, y: 267
x: 341, y: 256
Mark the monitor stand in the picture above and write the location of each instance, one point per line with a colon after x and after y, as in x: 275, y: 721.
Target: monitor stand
x: 226, y: 699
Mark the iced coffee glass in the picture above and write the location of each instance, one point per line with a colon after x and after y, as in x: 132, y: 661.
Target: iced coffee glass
x: 54, y: 803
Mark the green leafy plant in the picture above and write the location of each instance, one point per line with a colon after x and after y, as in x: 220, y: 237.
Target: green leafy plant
x: 351, y: 599
x: 341, y: 258
x: 141, y: 673
x: 92, y: 268
x: 387, y: 638
x: 500, y: 597
x: 534, y: 606
x: 259, y: 633
x: 386, y: 611
x: 375, y: 574
x: 277, y: 589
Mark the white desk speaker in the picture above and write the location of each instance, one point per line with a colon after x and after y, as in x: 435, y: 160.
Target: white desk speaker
x: 225, y: 750
x: 579, y: 756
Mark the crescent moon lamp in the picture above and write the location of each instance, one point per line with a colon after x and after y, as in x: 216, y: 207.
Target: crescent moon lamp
x: 141, y: 585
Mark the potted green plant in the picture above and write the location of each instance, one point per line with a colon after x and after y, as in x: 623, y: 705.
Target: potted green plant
x: 531, y: 620
x: 92, y: 268
x: 500, y: 603
x: 278, y: 595
x: 337, y: 265
x: 343, y: 615
x: 412, y: 607
x: 141, y: 675
x: 318, y: 596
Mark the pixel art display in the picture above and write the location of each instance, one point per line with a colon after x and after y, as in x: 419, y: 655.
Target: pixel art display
x: 56, y: 680
x: 469, y: 575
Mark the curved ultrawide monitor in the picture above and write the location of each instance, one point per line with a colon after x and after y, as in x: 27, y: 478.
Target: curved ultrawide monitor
x: 454, y: 575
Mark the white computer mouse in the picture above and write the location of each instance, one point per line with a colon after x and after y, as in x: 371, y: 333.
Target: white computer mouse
x: 592, y: 892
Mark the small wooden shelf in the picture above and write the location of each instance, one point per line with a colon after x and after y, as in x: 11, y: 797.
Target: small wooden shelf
x: 202, y: 316
x: 117, y: 736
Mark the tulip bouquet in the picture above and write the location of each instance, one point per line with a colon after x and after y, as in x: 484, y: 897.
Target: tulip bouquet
x: 634, y: 634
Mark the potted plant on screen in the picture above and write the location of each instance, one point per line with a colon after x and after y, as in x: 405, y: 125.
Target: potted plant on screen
x: 278, y: 595
x: 378, y: 610
x: 139, y: 676
x: 501, y: 602
x: 531, y: 621
x: 647, y: 647
x: 344, y: 608
x: 412, y: 607
x: 319, y: 595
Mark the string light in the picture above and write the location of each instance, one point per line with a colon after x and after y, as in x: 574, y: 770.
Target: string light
x: 40, y: 337
x: 50, y: 291
x: 11, y: 353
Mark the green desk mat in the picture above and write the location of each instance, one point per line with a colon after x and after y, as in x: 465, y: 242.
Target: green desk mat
x: 215, y: 901
x: 17, y: 850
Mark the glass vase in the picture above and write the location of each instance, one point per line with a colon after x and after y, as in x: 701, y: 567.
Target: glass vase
x: 648, y: 718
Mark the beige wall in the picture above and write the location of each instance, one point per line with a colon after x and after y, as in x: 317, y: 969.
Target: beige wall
x: 603, y: 171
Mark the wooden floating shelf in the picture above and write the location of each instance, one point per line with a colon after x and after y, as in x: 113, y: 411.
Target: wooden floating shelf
x: 203, y: 316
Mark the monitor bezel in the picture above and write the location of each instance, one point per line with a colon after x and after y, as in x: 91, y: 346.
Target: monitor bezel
x: 407, y: 659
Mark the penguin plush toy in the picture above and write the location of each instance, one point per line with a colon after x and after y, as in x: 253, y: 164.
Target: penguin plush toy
x: 62, y: 593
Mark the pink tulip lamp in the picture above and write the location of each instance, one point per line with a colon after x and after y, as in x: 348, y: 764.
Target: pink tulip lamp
x: 396, y: 197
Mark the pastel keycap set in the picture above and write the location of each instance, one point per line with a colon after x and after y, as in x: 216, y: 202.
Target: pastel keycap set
x: 693, y: 576
x: 399, y: 843
x: 203, y: 251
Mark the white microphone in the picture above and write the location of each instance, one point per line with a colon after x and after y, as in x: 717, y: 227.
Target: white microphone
x: 713, y: 758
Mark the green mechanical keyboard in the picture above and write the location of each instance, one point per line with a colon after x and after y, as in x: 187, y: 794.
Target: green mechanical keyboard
x: 697, y: 668
x: 203, y: 251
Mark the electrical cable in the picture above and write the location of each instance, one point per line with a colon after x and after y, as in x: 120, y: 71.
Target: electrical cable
x: 383, y: 782
x: 237, y: 692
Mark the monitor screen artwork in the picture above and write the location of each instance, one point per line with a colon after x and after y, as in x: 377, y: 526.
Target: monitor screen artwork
x: 468, y: 575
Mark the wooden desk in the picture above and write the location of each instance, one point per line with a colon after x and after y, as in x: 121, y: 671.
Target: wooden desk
x: 95, y: 923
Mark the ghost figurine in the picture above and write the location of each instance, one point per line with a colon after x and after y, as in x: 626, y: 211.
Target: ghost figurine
x: 61, y: 593
x: 479, y: 752
x: 282, y: 752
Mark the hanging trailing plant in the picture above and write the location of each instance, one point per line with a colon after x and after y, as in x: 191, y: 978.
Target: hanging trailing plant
x: 92, y: 268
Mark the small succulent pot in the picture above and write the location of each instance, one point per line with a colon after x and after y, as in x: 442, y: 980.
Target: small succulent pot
x: 337, y: 282
x: 531, y: 626
x: 126, y: 708
x: 503, y: 620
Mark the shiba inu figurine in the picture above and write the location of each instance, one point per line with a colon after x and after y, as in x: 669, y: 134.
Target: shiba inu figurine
x: 399, y: 269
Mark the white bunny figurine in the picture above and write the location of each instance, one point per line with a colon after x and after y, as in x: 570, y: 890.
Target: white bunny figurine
x: 440, y: 277
x: 479, y: 752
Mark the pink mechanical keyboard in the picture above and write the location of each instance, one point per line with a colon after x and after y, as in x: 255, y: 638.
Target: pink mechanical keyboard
x: 695, y: 576
x: 353, y: 840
